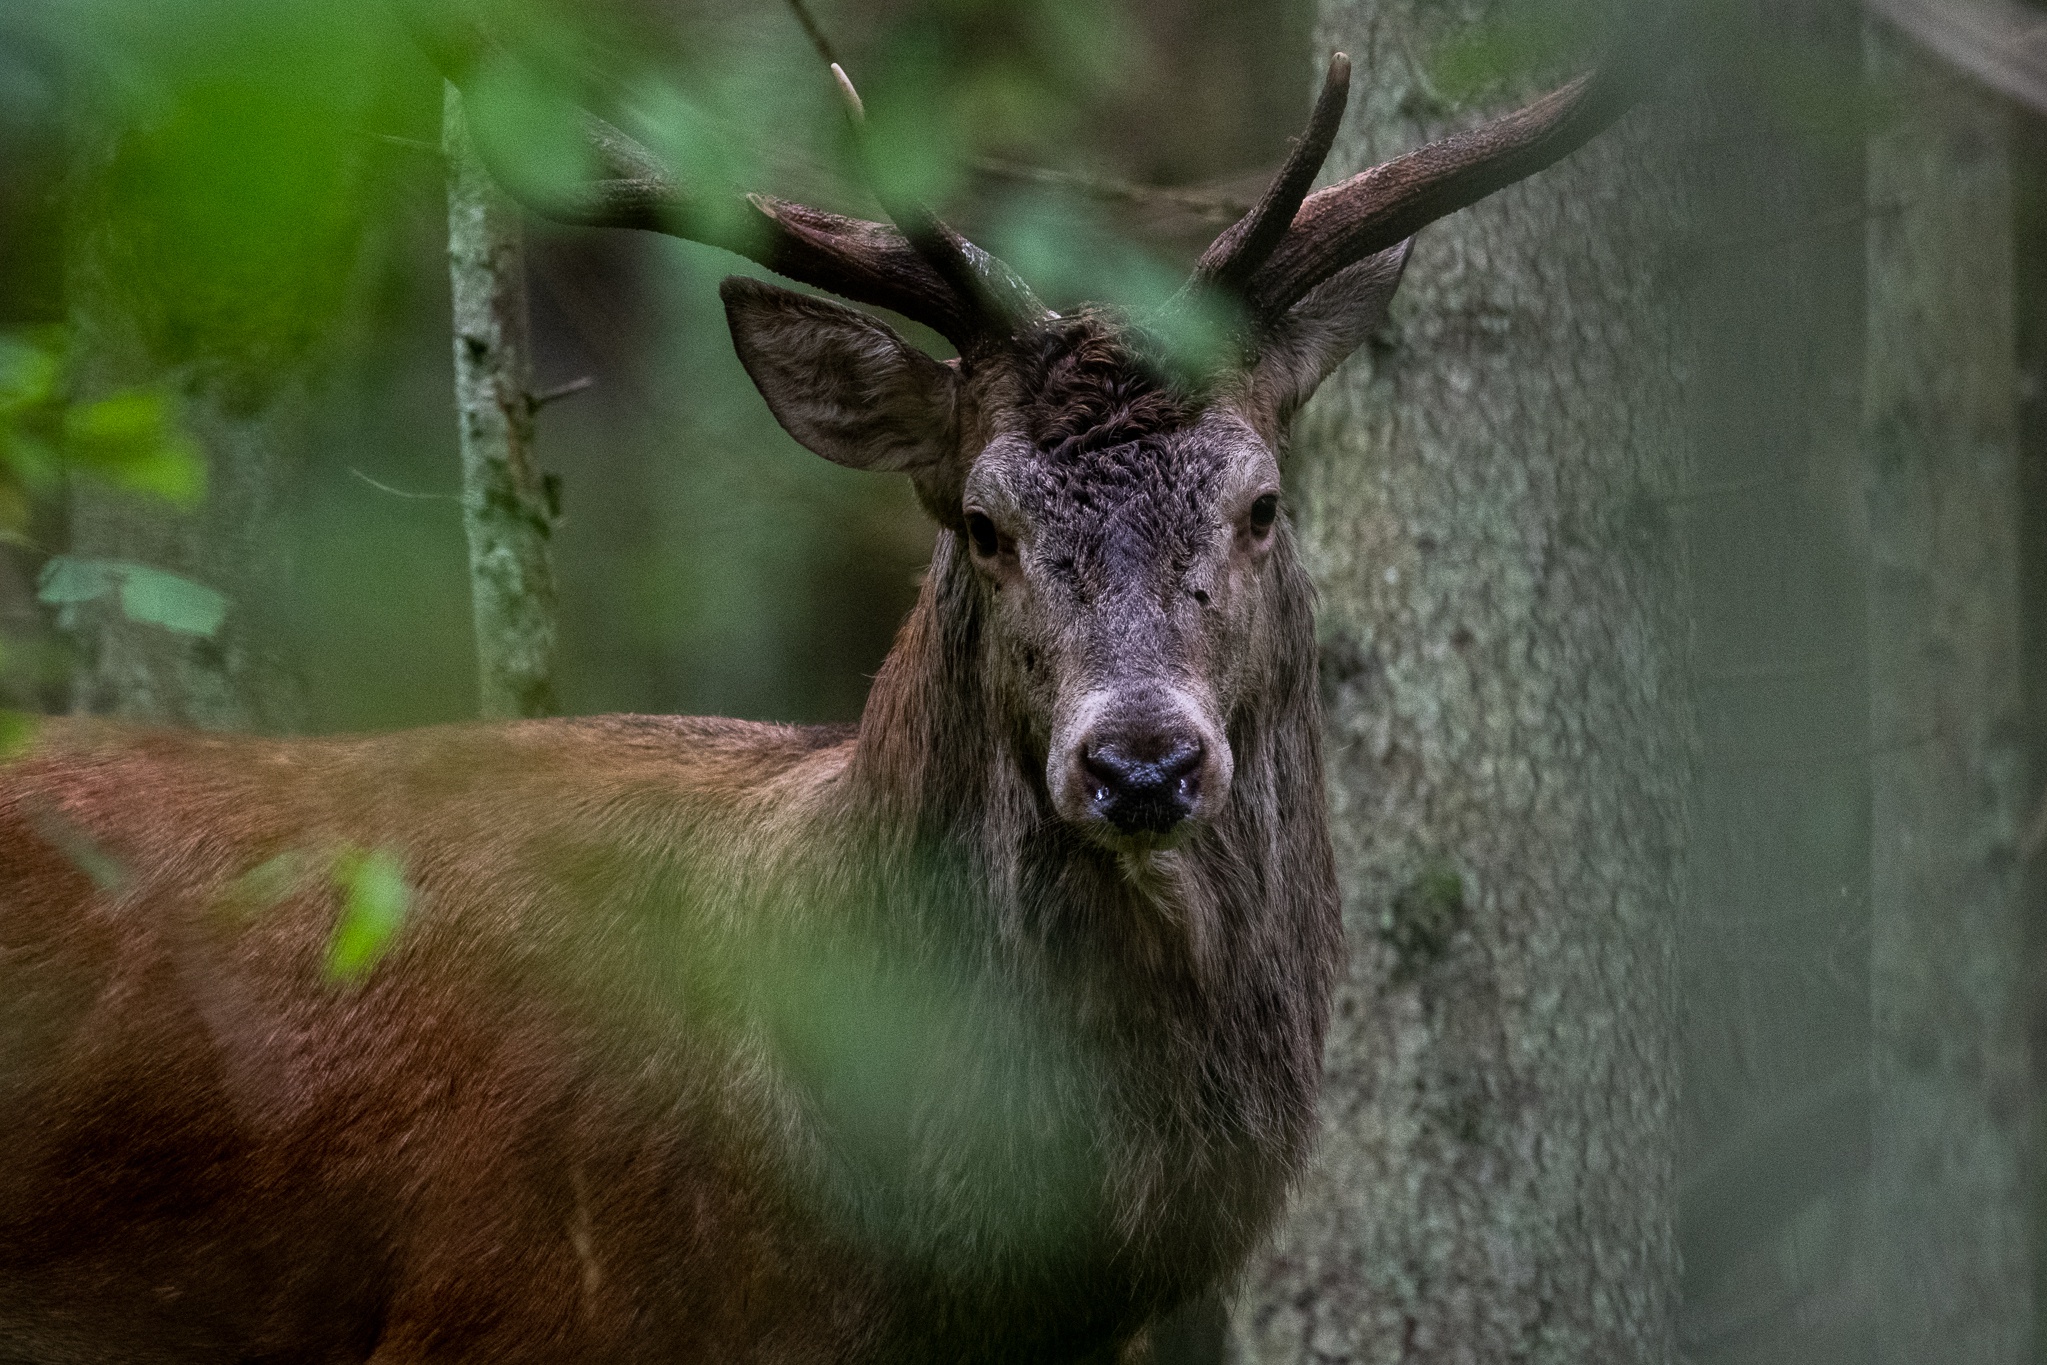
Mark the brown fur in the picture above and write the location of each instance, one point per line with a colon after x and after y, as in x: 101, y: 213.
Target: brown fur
x: 703, y: 1040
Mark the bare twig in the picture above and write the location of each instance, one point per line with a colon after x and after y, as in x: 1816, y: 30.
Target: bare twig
x: 1999, y: 42
x: 383, y: 487
x: 1210, y: 207
x: 537, y: 401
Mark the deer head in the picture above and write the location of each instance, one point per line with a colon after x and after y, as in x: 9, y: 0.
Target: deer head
x: 1121, y: 518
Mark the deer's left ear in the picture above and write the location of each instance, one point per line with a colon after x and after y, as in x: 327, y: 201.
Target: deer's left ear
x: 1317, y: 334
x: 842, y: 383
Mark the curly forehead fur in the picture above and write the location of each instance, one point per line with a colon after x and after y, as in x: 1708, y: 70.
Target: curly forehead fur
x: 1094, y: 386
x: 1119, y: 479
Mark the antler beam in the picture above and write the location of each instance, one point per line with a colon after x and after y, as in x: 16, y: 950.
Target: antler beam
x: 1289, y: 244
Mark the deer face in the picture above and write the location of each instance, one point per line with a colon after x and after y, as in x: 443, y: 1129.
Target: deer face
x: 1120, y: 534
x: 1123, y: 533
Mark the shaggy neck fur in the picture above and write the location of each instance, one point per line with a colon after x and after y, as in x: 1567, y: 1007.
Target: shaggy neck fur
x: 1118, y: 1056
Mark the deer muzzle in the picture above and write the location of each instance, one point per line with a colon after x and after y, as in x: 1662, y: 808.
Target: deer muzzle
x: 1140, y: 766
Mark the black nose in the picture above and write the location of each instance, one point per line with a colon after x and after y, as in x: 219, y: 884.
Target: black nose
x: 1144, y: 783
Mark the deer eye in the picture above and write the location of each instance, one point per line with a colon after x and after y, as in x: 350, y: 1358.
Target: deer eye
x: 981, y: 530
x: 1263, y: 513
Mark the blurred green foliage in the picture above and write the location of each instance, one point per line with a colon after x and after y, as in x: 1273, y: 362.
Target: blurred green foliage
x: 253, y: 196
x: 129, y: 439
x: 219, y: 156
x: 374, y: 902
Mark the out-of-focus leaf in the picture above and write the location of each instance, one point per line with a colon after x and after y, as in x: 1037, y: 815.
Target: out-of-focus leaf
x: 129, y: 440
x: 17, y: 732
x: 68, y: 579
x: 374, y: 902
x: 154, y: 597
x: 30, y: 459
x: 263, y: 885
x: 1518, y: 39
x: 706, y: 157
x: 1058, y: 247
x: 148, y: 595
x: 13, y: 509
x: 29, y: 374
x: 530, y: 133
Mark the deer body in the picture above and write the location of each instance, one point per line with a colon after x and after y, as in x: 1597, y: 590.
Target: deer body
x: 586, y: 1109
x: 988, y: 1029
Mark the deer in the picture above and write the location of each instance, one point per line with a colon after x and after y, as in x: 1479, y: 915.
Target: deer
x: 986, y: 1028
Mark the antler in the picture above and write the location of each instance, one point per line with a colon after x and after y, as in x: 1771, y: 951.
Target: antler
x: 1333, y: 228
x: 1244, y: 246
x: 1000, y: 302
x: 919, y: 267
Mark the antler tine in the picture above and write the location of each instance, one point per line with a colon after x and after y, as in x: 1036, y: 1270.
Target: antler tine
x: 997, y: 295
x: 870, y: 263
x: 1230, y: 261
x: 1381, y: 207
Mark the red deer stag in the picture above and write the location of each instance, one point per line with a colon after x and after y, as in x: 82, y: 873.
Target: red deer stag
x: 988, y: 1028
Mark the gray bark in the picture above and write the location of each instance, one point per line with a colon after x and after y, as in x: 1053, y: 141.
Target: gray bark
x: 506, y: 507
x: 1485, y: 506
x: 1946, y: 1257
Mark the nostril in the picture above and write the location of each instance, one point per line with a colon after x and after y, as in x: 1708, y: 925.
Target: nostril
x: 1147, y: 782
x: 1181, y: 760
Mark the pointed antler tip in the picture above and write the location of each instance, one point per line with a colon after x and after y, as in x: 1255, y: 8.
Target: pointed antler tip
x: 855, y: 110
x: 1339, y: 67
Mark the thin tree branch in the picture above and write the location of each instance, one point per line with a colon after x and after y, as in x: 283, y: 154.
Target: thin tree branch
x: 1999, y: 42
x: 383, y: 487
x: 537, y: 401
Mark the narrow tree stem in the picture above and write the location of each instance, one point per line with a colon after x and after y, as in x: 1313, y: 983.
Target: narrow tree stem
x: 505, y: 508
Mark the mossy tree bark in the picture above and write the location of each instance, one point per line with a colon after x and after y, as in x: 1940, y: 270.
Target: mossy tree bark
x: 507, y: 509
x: 1484, y: 500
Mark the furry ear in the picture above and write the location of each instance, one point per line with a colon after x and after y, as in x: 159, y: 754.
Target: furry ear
x: 1319, y: 333
x: 842, y: 383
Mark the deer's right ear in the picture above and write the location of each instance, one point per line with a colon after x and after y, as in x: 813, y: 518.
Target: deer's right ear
x: 842, y: 383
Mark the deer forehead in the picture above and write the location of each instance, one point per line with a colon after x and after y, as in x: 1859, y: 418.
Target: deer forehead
x: 1173, y: 487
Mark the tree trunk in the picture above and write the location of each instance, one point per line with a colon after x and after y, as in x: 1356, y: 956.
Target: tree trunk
x: 1485, y: 504
x: 240, y: 676
x: 1947, y: 1254
x: 506, y: 507
x: 246, y: 423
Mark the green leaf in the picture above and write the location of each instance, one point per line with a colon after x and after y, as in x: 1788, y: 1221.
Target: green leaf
x: 148, y: 596
x: 153, y: 597
x: 17, y: 732
x: 129, y: 440
x: 534, y: 131
x: 29, y: 374
x: 375, y: 899
x: 68, y: 579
